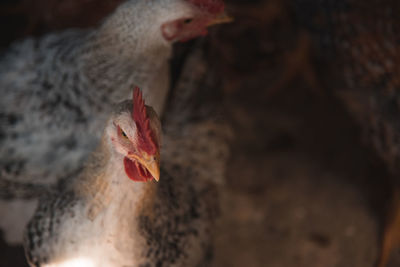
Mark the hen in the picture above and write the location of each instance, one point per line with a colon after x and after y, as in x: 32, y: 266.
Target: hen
x: 81, y: 218
x: 102, y: 218
x: 57, y: 91
x: 359, y: 40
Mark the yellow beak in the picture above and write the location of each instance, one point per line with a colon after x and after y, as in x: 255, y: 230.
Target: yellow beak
x: 150, y: 162
x: 221, y: 18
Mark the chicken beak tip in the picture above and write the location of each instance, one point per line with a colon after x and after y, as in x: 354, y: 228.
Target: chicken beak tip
x: 152, y: 165
x: 220, y: 19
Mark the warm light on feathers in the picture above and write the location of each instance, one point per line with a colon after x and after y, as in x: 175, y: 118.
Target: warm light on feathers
x: 78, y: 262
x: 211, y: 6
x: 146, y: 141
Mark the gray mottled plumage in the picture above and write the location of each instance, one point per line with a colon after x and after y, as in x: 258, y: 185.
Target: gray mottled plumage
x: 169, y: 223
x: 57, y: 92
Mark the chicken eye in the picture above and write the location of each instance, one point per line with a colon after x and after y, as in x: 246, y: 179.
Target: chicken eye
x: 124, y: 134
x: 187, y: 21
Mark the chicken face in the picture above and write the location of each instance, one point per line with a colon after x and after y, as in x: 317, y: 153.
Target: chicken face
x: 205, y: 13
x: 135, y: 133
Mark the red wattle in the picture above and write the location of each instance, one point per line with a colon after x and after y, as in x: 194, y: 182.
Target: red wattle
x: 135, y: 171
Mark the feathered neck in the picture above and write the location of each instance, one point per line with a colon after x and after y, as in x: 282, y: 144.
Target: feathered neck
x: 104, y: 182
x: 129, y: 43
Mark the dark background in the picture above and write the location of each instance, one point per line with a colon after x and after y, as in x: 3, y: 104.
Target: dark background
x: 302, y: 187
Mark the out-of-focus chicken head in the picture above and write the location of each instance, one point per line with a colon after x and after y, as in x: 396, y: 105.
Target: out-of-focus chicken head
x: 202, y: 14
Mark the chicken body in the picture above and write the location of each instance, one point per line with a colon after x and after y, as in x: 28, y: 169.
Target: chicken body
x: 113, y: 221
x: 57, y: 91
x: 109, y: 220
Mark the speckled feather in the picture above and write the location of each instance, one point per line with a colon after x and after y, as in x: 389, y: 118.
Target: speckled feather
x: 171, y: 224
x: 57, y: 92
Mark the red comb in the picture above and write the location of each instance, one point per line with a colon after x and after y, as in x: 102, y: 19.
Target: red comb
x: 146, y: 140
x: 211, y: 6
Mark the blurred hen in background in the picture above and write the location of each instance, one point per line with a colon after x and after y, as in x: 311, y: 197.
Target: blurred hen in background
x: 358, y: 40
